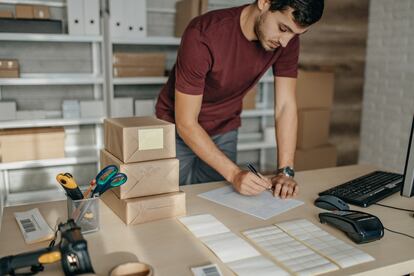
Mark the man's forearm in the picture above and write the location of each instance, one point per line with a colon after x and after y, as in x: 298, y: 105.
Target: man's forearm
x: 202, y: 145
x: 286, y: 122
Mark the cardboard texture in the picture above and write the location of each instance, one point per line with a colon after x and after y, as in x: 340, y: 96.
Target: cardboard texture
x: 137, y: 139
x: 24, y: 11
x: 185, y: 11
x: 9, y: 64
x: 144, y: 178
x: 139, y: 59
x: 314, y: 89
x: 313, y: 127
x: 31, y: 144
x: 144, y: 209
x: 125, y: 72
x: 6, y: 14
x: 7, y: 111
x: 41, y: 12
x: 249, y: 100
x: 316, y: 158
x: 9, y: 73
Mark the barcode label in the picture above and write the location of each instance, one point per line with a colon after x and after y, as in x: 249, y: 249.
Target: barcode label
x: 28, y: 225
x: 211, y: 271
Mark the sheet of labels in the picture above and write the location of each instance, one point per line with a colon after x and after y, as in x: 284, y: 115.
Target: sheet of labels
x: 297, y: 247
x: 232, y: 250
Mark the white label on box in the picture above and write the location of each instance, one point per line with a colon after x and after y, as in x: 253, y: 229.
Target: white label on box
x: 150, y: 138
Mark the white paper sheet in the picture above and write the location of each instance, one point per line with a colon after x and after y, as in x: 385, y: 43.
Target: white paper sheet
x: 263, y: 206
x: 259, y: 266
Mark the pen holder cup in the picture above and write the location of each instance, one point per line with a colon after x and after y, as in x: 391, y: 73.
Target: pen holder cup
x: 85, y: 213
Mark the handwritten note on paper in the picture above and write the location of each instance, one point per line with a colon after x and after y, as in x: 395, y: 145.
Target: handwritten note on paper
x: 263, y: 206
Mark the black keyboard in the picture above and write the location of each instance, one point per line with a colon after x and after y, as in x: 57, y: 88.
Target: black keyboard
x: 367, y: 189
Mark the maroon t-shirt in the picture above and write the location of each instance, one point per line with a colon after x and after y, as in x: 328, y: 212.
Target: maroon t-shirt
x: 217, y: 61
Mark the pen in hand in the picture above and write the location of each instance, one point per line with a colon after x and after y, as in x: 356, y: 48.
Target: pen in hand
x: 253, y: 170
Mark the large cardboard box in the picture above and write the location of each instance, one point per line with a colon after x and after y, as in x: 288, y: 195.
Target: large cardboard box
x: 185, y: 11
x: 145, y: 178
x: 127, y: 59
x: 314, y: 89
x: 9, y: 64
x: 9, y: 73
x: 313, y: 127
x: 41, y: 12
x: 24, y: 11
x: 126, y: 72
x: 144, y: 209
x: 31, y: 144
x: 6, y: 14
x: 249, y: 100
x: 137, y: 139
x: 315, y: 158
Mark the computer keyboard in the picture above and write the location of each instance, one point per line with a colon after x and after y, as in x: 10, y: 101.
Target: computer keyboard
x: 367, y: 189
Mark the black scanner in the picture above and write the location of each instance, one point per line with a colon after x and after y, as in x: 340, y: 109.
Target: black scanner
x: 358, y: 226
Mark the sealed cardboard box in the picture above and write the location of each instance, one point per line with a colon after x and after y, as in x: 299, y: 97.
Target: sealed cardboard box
x: 41, y: 12
x: 92, y: 109
x: 7, y: 111
x: 315, y: 158
x: 32, y: 144
x: 9, y: 64
x: 313, y: 127
x: 137, y: 139
x: 249, y: 100
x: 24, y: 11
x: 6, y: 14
x: 125, y: 72
x: 314, y: 89
x: 144, y: 178
x: 144, y: 209
x: 9, y: 73
x: 128, y: 59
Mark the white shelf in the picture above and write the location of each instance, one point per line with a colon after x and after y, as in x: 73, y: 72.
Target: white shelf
x: 30, y: 37
x: 53, y: 79
x: 140, y: 80
x: 93, y: 158
x: 50, y: 3
x: 154, y: 40
x: 15, y: 199
x: 49, y: 123
x: 257, y: 113
x: 255, y: 145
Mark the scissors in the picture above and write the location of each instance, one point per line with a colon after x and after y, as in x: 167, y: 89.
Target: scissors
x: 108, y: 178
x: 69, y: 184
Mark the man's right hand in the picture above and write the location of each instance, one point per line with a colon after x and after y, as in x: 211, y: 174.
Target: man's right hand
x: 247, y: 183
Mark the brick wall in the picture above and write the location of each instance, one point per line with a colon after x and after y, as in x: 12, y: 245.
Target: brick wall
x: 388, y: 103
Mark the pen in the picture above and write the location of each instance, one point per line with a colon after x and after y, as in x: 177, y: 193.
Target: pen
x: 253, y: 170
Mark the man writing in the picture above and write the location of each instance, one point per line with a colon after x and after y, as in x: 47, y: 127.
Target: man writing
x: 222, y: 55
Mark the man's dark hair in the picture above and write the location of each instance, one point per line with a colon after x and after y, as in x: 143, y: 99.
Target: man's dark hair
x: 306, y: 12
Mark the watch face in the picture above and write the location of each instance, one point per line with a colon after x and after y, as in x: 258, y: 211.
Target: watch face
x: 290, y: 171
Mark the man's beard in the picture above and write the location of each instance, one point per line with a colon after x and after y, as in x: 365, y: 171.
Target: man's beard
x: 260, y: 35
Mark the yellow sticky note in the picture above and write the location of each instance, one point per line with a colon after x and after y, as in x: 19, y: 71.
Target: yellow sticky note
x: 150, y: 138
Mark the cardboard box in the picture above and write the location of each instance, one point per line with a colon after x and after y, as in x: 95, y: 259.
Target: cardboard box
x: 144, y: 209
x: 41, y: 12
x: 24, y: 11
x: 6, y: 14
x: 139, y: 59
x: 185, y: 11
x: 145, y: 178
x: 92, y: 109
x: 125, y: 72
x: 313, y: 127
x: 9, y: 73
x: 144, y: 107
x: 7, y: 111
x: 314, y: 89
x: 31, y: 144
x: 316, y: 158
x: 9, y: 64
x: 122, y: 107
x: 137, y: 139
x: 249, y: 100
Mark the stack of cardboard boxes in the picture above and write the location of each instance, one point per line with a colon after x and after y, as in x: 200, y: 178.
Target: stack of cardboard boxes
x: 138, y: 64
x: 314, y: 99
x: 144, y: 149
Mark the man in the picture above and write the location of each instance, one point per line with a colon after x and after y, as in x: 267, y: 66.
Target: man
x: 222, y: 55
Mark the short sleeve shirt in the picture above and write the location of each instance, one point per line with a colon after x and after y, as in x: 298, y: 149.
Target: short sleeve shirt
x: 217, y: 61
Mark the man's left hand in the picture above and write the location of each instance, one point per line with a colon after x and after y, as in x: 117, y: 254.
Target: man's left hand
x: 284, y: 186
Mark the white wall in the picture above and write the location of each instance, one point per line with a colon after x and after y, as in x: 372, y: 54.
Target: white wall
x: 388, y: 105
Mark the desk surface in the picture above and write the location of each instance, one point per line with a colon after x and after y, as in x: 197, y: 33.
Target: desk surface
x: 172, y: 250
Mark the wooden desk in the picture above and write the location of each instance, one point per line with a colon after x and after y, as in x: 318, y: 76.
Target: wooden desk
x: 171, y: 250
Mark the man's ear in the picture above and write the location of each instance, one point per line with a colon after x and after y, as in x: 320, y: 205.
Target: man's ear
x: 263, y: 5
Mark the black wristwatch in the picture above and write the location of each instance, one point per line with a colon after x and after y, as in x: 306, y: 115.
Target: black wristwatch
x: 288, y: 171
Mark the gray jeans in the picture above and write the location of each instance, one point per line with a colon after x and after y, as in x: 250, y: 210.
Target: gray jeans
x: 193, y: 170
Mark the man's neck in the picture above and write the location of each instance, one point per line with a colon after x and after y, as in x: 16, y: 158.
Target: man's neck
x: 247, y: 21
